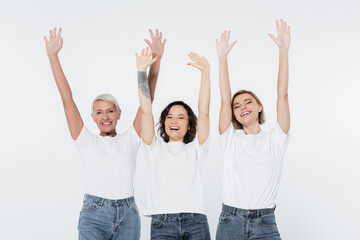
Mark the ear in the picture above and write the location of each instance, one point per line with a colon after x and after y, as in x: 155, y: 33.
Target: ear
x: 260, y: 108
x: 92, y: 116
x: 119, y: 114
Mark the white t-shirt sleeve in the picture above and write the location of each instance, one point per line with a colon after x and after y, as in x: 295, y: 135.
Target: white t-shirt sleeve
x: 225, y: 138
x: 133, y: 139
x: 146, y: 150
x: 202, y: 150
x: 84, y: 137
x: 279, y: 140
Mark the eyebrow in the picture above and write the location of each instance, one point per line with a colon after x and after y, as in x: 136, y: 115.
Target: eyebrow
x: 178, y: 114
x: 105, y: 110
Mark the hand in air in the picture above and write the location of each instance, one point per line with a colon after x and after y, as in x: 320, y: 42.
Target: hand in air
x: 223, y: 46
x: 144, y: 60
x: 55, y: 42
x: 157, y: 45
x: 199, y: 62
x: 283, y: 38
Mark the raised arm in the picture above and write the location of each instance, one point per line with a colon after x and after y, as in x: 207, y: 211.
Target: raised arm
x: 157, y: 46
x: 223, y: 48
x: 283, y: 42
x: 147, y: 120
x: 203, y: 122
x: 53, y: 46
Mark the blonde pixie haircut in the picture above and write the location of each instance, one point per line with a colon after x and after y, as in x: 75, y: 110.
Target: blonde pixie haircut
x: 106, y: 97
x: 261, y: 116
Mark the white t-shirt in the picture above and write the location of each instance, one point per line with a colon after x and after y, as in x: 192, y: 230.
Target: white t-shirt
x: 252, y: 166
x: 175, y: 184
x: 108, y: 163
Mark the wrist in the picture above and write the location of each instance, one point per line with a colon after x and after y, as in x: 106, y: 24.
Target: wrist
x: 50, y: 55
x: 223, y: 59
x: 283, y: 51
x: 141, y: 69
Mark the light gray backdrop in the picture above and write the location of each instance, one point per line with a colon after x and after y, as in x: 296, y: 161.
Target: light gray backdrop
x: 40, y: 171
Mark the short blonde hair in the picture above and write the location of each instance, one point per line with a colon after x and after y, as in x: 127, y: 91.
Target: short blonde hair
x: 106, y: 97
x: 261, y: 116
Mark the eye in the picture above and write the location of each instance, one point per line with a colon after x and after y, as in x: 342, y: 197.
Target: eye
x: 237, y: 106
x: 111, y: 111
x: 248, y: 102
x: 181, y: 118
x: 168, y: 117
x: 98, y: 113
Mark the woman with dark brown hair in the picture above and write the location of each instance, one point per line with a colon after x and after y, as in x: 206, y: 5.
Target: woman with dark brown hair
x: 175, y: 200
x: 252, y: 158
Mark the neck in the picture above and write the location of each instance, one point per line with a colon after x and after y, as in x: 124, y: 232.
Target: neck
x: 176, y: 140
x: 252, y: 129
x: 108, y: 134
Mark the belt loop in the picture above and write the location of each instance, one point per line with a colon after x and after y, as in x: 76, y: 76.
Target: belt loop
x: 102, y: 202
x: 274, y: 207
x: 165, y: 217
x: 258, y: 213
x: 128, y: 202
x: 234, y: 211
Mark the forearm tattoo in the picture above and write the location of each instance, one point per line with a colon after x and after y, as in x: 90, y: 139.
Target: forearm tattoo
x: 143, y: 84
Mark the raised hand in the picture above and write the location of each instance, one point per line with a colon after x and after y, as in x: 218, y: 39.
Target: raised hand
x: 199, y: 62
x: 144, y: 60
x: 223, y: 47
x: 55, y: 42
x: 157, y: 45
x: 283, y: 38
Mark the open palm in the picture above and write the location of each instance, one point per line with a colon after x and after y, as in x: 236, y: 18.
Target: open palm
x: 283, y: 35
x: 55, y: 42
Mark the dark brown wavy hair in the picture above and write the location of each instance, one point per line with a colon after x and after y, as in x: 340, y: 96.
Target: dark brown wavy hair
x: 261, y: 115
x: 190, y: 134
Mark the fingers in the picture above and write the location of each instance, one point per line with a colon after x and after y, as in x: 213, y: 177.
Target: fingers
x: 277, y: 26
x: 164, y: 41
x: 151, y: 34
x: 232, y: 45
x: 148, y: 43
x: 154, y: 60
x: 157, y: 33
x: 46, y: 41
x: 160, y: 38
x: 59, y: 33
x: 272, y: 37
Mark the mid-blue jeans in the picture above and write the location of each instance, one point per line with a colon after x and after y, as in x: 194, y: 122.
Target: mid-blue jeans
x: 181, y: 226
x: 242, y: 224
x: 102, y: 219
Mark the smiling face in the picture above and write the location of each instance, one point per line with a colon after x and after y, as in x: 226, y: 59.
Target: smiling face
x: 177, y: 123
x: 246, y: 109
x: 105, y: 116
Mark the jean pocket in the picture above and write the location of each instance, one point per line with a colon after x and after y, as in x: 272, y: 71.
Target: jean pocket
x: 134, y: 208
x: 268, y: 220
x: 89, y: 206
x: 225, y: 218
x: 156, y: 223
x: 200, y: 218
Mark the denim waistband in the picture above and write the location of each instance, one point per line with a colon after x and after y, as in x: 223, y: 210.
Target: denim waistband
x: 101, y: 201
x: 173, y: 216
x: 247, y: 212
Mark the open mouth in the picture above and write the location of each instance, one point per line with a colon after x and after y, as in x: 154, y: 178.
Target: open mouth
x: 106, y: 123
x: 245, y: 114
x: 174, y: 128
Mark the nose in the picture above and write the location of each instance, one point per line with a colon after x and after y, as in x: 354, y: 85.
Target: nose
x: 174, y: 120
x: 106, y: 117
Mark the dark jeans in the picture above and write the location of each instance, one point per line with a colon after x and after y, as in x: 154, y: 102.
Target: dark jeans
x: 242, y: 224
x: 104, y: 219
x: 182, y: 226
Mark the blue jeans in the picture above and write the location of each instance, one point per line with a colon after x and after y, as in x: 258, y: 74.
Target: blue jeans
x: 241, y: 224
x: 102, y: 219
x: 181, y: 226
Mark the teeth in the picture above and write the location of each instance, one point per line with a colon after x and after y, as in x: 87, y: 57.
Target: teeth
x: 108, y: 123
x: 246, y: 113
x: 174, y: 128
